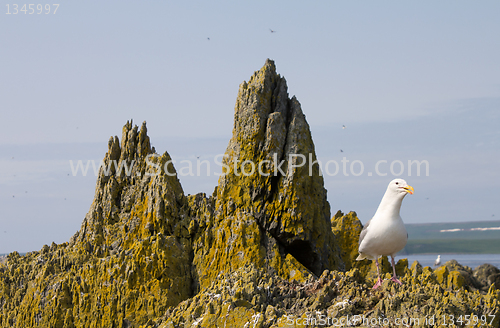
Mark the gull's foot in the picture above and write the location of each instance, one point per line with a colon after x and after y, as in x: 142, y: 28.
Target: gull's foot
x: 378, y: 284
x: 396, y: 280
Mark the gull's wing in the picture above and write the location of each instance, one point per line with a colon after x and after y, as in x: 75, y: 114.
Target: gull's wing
x: 363, y: 232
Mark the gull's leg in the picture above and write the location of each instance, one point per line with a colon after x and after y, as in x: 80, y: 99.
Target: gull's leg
x: 379, y: 281
x: 394, y: 277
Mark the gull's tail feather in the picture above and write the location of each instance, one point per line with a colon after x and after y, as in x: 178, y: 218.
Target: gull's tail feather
x: 360, y: 257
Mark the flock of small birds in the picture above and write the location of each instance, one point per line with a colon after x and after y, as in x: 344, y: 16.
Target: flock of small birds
x: 14, y: 196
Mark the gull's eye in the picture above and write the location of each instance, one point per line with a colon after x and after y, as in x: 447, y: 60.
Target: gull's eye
x: 397, y: 182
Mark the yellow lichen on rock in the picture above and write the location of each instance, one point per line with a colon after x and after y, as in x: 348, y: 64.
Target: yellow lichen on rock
x: 346, y: 229
x: 125, y: 266
x: 442, y: 275
x: 268, y: 208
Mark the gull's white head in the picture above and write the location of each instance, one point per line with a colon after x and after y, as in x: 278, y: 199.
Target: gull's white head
x: 400, y: 187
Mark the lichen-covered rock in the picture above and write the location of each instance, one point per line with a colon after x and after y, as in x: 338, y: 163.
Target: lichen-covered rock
x: 251, y: 297
x: 487, y: 275
x: 346, y: 229
x: 130, y: 261
x: 260, y: 252
x: 270, y: 210
x: 460, y: 275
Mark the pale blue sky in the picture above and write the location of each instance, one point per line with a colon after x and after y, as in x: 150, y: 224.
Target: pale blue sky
x: 410, y: 80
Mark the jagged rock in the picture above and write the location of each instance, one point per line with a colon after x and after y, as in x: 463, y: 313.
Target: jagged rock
x: 250, y: 297
x: 346, y: 229
x: 134, y: 195
x: 460, y: 275
x: 269, y: 211
x: 130, y: 260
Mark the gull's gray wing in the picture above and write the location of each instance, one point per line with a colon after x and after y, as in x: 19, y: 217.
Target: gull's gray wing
x: 363, y: 232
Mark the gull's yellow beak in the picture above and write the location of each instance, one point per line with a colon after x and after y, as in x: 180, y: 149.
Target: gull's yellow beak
x: 409, y: 190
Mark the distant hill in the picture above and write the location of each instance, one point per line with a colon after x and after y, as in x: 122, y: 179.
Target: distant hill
x: 477, y: 237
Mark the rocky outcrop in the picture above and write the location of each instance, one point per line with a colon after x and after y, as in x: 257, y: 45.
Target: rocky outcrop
x: 260, y: 252
x: 346, y: 229
x: 269, y: 210
x: 250, y: 297
x: 130, y: 260
x: 487, y: 275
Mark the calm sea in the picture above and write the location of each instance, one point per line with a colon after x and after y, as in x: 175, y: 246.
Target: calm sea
x: 471, y: 260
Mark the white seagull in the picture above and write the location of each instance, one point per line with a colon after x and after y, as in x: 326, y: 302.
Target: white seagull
x: 438, y: 261
x: 385, y: 233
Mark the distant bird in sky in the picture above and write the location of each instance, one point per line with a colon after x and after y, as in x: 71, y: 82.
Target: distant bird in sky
x: 208, y: 39
x: 272, y: 31
x: 438, y: 261
x: 385, y: 233
x: 341, y: 143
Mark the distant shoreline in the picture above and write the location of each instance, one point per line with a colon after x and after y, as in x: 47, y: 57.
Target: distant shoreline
x: 452, y: 246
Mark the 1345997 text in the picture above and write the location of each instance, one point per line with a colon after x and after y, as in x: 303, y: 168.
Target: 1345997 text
x: 31, y: 9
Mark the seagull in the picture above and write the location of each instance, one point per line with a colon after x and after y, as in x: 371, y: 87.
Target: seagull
x: 272, y: 31
x: 385, y: 233
x: 438, y: 261
x: 343, y: 126
x: 208, y: 39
